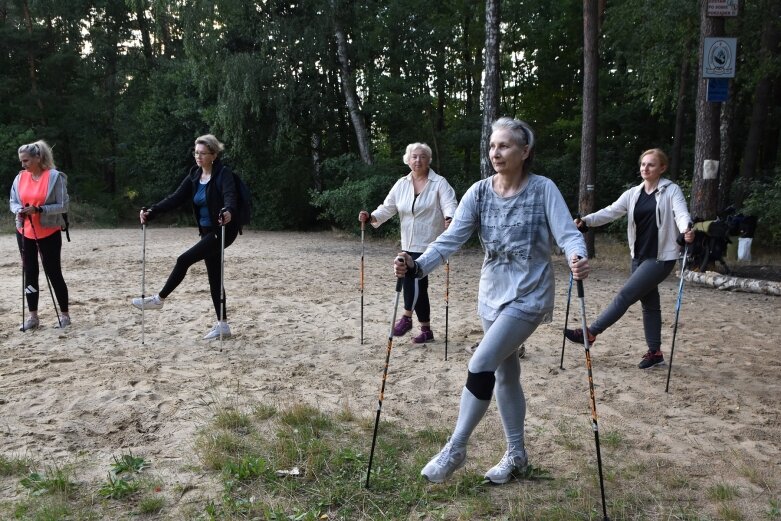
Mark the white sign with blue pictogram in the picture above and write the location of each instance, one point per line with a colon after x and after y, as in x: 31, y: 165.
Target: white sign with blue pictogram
x: 719, y: 57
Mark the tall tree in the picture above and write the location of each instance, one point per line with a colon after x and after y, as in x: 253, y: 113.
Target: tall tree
x: 762, y: 96
x: 491, y: 84
x: 348, y: 89
x: 705, y: 178
x: 588, y: 149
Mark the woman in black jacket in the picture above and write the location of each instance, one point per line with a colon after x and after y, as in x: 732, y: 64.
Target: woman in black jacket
x: 211, y: 190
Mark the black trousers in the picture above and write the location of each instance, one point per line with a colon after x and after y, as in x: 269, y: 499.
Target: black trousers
x: 207, y: 250
x: 50, y: 248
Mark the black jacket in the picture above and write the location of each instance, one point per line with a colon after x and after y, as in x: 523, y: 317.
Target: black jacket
x: 220, y: 193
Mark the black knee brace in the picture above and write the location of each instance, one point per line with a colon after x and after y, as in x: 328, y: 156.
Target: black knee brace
x: 481, y: 385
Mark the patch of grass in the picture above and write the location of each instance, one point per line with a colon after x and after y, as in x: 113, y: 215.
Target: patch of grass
x: 730, y: 513
x: 151, y: 505
x: 55, y: 480
x: 14, y: 466
x: 262, y: 411
x: 723, y: 492
x: 774, y: 511
x: 127, y: 463
x: 611, y: 440
x: 118, y: 488
x: 233, y: 420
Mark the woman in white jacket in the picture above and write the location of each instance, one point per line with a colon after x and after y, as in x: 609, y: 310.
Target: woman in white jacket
x: 656, y: 213
x: 425, y: 202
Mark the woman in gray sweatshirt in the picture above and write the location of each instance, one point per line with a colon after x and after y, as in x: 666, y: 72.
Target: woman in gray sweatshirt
x: 519, y: 216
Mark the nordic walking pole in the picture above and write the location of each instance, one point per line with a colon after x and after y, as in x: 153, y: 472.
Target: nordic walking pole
x: 40, y: 255
x: 677, y: 312
x: 363, y: 228
x: 447, y: 300
x: 594, y: 424
x: 566, y: 319
x: 399, y: 284
x: 143, y: 274
x: 24, y: 283
x: 222, y: 272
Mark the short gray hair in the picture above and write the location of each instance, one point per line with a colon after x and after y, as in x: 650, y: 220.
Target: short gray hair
x: 415, y: 146
x: 521, y: 133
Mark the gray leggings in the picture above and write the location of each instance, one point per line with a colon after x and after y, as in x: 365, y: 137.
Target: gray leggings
x: 497, y: 353
x: 642, y: 285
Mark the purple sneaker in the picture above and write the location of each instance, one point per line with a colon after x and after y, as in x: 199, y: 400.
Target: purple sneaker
x: 402, y: 325
x: 425, y: 335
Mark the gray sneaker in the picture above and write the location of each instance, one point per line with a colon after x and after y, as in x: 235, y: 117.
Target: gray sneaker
x: 442, y: 466
x: 65, y: 321
x: 154, y: 302
x: 30, y: 323
x: 215, y: 331
x: 513, y: 461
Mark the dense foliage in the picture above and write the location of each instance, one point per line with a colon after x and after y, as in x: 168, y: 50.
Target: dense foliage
x: 122, y: 87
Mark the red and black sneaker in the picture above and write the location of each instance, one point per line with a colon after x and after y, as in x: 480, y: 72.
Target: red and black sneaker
x: 651, y: 359
x: 576, y: 335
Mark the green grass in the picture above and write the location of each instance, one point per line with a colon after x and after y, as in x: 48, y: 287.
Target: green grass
x: 299, y: 463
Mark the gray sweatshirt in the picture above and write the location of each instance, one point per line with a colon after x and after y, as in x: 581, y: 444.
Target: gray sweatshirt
x: 518, y: 234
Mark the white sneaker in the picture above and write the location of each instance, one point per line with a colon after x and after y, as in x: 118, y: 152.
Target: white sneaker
x: 215, y: 331
x: 512, y: 461
x: 30, y: 323
x: 65, y: 320
x: 154, y: 302
x: 442, y: 466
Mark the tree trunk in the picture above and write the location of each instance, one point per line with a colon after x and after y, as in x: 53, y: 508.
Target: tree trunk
x: 705, y: 177
x: 467, y: 57
x: 588, y: 139
x: 317, y: 163
x: 143, y: 27
x: 761, y: 107
x: 351, y: 96
x: 728, y: 160
x: 680, y: 116
x: 491, y: 84
x: 32, y: 74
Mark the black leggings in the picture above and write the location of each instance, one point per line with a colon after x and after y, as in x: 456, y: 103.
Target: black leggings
x: 207, y: 250
x: 416, y: 294
x: 50, y: 248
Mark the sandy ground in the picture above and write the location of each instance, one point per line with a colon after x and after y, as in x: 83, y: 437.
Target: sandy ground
x: 93, y: 390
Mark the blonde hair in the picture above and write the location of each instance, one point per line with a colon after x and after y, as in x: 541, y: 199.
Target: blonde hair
x: 414, y: 146
x: 41, y: 150
x: 211, y: 142
x: 658, y: 152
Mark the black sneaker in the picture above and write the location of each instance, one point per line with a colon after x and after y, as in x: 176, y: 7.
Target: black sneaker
x: 650, y: 359
x: 576, y: 335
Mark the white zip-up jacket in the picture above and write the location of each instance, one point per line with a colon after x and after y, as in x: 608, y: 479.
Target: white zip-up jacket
x: 672, y: 217
x: 420, y: 227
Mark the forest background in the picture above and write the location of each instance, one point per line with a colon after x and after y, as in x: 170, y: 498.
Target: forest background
x: 317, y: 99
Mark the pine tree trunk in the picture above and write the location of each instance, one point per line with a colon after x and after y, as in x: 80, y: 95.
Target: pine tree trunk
x: 680, y: 117
x: 491, y: 84
x: 588, y: 139
x: 705, y: 181
x: 351, y: 96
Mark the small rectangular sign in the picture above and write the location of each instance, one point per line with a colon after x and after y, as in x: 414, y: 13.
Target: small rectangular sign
x: 719, y: 57
x: 722, y: 7
x: 718, y: 90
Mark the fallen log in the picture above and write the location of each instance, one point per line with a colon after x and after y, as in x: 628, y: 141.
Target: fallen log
x: 730, y: 283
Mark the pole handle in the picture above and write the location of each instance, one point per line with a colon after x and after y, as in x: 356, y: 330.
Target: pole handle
x: 400, y: 280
